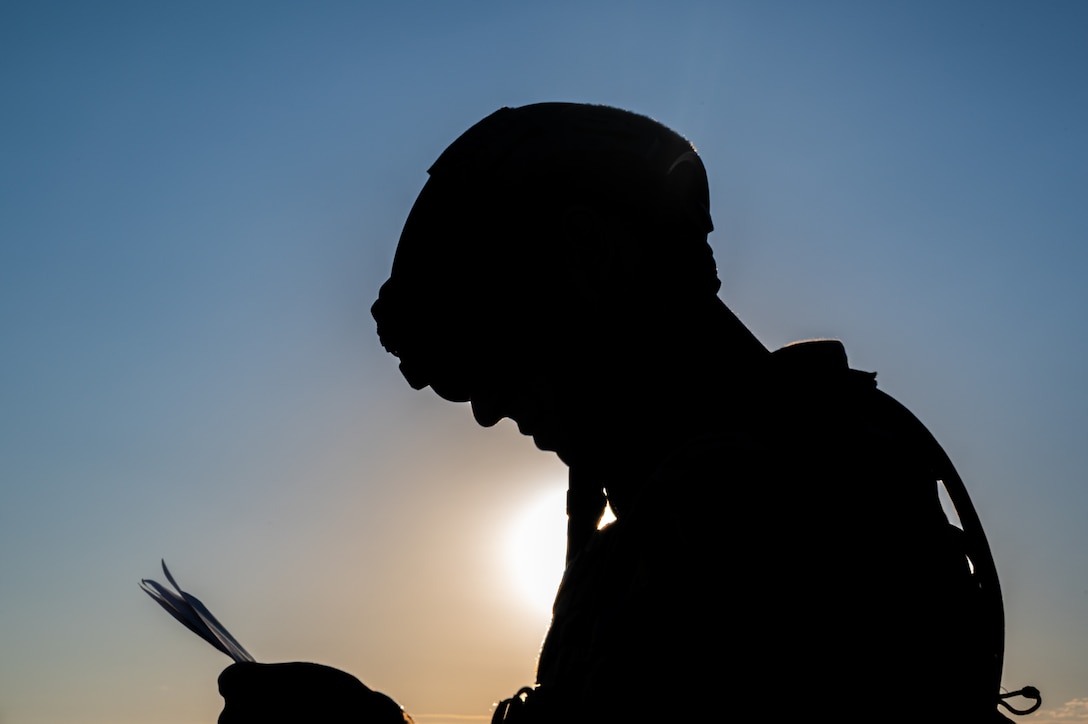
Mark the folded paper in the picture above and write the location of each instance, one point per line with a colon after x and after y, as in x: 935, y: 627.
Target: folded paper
x: 194, y: 615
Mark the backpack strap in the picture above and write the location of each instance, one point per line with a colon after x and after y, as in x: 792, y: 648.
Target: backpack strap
x: 586, y: 503
x: 903, y: 422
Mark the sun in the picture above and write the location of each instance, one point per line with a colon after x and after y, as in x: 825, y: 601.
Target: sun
x: 536, y: 545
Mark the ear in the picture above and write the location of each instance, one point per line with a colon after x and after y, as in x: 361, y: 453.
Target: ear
x: 601, y: 254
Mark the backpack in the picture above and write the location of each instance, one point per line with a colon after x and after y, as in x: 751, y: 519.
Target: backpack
x: 811, y: 383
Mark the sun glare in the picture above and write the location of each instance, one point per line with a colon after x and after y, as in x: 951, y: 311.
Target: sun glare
x: 536, y: 545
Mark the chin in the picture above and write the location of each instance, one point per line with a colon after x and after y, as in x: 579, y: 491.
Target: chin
x: 543, y: 443
x: 547, y: 444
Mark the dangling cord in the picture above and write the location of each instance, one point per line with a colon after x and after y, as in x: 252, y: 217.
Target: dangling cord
x: 1028, y: 692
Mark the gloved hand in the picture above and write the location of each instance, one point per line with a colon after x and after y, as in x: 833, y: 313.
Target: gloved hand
x: 300, y: 693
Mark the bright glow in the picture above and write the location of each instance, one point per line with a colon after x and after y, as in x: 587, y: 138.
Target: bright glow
x: 535, y: 548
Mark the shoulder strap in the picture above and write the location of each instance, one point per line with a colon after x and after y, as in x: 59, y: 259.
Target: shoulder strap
x: 586, y: 503
x: 903, y: 422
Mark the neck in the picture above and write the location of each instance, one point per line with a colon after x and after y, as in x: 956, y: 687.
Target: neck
x: 685, y: 379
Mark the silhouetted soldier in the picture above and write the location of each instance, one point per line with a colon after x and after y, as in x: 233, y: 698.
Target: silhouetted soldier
x: 779, y: 550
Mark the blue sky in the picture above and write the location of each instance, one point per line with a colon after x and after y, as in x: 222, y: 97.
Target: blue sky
x: 198, y: 203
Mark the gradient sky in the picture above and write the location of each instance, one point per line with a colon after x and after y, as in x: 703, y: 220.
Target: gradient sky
x: 198, y: 202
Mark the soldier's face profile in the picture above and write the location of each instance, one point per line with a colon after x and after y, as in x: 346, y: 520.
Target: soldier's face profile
x: 528, y: 398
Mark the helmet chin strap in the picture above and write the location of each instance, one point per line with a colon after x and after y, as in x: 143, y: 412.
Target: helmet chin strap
x: 586, y: 502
